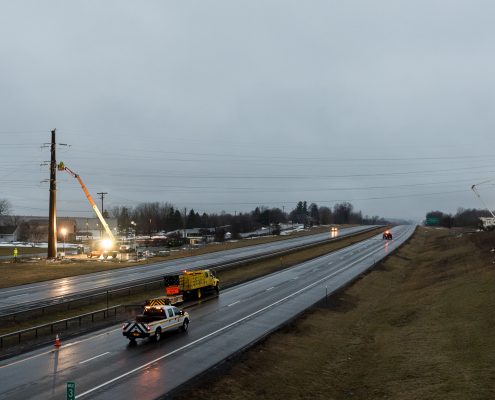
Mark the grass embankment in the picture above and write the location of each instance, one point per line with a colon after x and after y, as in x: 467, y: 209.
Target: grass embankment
x: 420, y: 326
x: 227, y: 278
x: 9, y: 251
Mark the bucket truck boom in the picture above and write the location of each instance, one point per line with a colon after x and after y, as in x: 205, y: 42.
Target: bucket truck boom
x: 487, y: 223
x: 62, y: 167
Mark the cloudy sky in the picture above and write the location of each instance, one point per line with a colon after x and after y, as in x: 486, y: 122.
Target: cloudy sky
x: 226, y: 105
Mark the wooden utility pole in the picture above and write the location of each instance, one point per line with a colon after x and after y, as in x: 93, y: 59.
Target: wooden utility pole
x: 52, y: 215
x: 185, y: 221
x: 102, y: 196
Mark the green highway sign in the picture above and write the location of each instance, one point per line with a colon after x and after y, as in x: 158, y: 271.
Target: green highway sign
x: 71, y: 390
x: 432, y: 221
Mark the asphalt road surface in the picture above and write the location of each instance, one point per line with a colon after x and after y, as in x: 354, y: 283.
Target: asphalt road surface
x: 104, y: 365
x: 20, y: 297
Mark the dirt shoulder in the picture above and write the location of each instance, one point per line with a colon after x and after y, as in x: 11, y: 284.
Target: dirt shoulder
x: 419, y: 326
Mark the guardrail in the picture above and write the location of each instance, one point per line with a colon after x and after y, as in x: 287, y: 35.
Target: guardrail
x: 34, y: 332
x: 80, y: 298
x: 61, y: 303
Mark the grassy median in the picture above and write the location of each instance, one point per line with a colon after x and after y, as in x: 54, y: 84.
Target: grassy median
x: 419, y: 326
x: 30, y: 271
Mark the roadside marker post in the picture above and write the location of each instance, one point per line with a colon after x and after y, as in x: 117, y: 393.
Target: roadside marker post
x: 71, y: 390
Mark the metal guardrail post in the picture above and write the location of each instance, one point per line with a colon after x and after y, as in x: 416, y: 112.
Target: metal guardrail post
x: 18, y: 334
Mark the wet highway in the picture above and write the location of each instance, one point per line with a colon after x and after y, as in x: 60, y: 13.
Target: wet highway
x: 105, y: 366
x: 15, y: 298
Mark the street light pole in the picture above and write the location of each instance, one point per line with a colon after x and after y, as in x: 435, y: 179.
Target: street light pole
x: 64, y: 232
x: 135, y: 246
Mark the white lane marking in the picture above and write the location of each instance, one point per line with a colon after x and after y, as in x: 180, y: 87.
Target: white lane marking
x: 330, y: 262
x: 295, y: 279
x: 270, y: 288
x: 95, y: 357
x: 117, y: 378
x: 235, y: 302
x: 61, y: 348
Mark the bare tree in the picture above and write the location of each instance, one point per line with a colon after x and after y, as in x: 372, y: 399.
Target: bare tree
x: 5, y: 207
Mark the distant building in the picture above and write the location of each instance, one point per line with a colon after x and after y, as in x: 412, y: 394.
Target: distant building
x: 7, y: 233
x: 194, y: 235
x: 35, y: 229
x: 91, y: 228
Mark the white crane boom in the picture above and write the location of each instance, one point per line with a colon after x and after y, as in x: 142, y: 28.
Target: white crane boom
x: 473, y: 188
x: 62, y: 167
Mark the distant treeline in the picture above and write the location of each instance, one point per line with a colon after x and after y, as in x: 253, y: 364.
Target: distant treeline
x: 156, y: 217
x: 462, y: 218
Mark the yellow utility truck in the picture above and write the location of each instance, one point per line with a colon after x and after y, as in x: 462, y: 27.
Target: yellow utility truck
x: 192, y: 284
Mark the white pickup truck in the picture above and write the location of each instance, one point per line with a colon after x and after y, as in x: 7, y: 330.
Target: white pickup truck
x: 154, y: 321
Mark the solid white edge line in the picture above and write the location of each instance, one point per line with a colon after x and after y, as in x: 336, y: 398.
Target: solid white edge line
x: 225, y: 327
x: 95, y: 357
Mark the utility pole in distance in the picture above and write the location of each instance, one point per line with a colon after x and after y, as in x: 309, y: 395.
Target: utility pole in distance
x: 185, y: 221
x: 52, y: 214
x: 102, y: 196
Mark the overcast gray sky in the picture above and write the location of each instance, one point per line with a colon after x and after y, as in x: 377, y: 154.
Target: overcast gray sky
x: 226, y: 105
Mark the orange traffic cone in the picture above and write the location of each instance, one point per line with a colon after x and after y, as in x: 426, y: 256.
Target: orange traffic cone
x: 57, y: 341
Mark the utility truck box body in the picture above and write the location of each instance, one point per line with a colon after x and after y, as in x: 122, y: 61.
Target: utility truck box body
x: 194, y: 284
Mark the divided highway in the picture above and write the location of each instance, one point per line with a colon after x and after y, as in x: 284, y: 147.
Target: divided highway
x: 19, y: 298
x: 105, y: 366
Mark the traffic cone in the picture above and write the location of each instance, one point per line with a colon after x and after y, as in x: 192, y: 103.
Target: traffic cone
x: 57, y: 341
